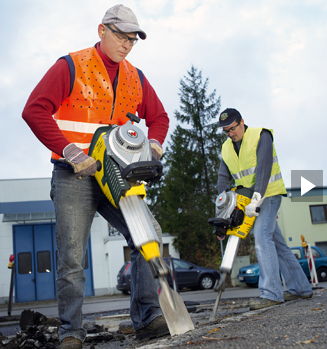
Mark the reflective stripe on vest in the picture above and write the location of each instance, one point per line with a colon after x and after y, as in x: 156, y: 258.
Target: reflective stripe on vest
x: 243, y: 166
x: 275, y: 178
x: 252, y: 171
x: 90, y: 104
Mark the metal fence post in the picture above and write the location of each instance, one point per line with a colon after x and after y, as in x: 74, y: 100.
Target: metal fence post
x: 11, y: 266
x: 311, y: 262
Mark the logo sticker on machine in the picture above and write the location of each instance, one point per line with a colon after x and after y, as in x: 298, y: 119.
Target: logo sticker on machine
x: 132, y: 133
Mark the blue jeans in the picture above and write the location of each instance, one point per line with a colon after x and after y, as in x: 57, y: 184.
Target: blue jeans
x: 275, y: 256
x: 76, y: 202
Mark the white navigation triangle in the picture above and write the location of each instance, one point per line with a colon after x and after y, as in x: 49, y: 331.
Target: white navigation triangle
x: 306, y: 186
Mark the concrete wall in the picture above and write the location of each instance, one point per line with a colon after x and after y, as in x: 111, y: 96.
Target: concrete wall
x: 240, y: 261
x: 99, y: 232
x: 6, y: 249
x: 33, y: 189
x: 294, y: 220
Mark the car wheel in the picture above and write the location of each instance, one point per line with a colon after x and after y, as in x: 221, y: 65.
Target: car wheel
x: 252, y: 285
x: 322, y: 274
x: 206, y: 282
x: 128, y: 293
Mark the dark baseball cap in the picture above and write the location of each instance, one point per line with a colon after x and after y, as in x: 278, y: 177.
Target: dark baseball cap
x: 228, y: 116
x: 124, y: 19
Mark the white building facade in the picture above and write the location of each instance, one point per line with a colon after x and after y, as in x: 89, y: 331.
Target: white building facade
x: 28, y: 231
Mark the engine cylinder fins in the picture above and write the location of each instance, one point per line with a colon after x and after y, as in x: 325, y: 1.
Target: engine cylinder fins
x: 223, y: 200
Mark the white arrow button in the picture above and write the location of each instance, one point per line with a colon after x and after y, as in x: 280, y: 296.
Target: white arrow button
x: 306, y: 186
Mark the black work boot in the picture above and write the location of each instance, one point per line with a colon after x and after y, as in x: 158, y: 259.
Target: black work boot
x: 71, y: 343
x: 157, y: 328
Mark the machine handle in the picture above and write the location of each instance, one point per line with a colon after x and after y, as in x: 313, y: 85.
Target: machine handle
x: 219, y: 222
x: 143, y: 165
x: 99, y: 165
x: 133, y: 117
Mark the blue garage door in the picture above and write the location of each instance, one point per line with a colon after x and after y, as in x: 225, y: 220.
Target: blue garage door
x: 36, y: 252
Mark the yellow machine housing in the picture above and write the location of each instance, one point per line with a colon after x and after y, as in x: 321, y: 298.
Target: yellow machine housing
x: 109, y: 177
x: 123, y: 194
x: 242, y: 230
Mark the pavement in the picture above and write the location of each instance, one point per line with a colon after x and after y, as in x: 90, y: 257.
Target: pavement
x: 108, y: 303
x: 300, y: 323
x: 296, y: 324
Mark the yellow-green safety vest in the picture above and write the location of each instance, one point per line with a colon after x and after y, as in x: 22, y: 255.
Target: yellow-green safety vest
x: 243, y: 167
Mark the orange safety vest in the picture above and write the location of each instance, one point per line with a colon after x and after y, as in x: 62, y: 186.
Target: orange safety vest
x: 90, y: 103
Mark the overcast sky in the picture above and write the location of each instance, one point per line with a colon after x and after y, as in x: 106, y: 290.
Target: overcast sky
x: 265, y: 58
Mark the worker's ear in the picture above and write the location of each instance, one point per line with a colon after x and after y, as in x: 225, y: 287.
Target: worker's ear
x: 101, y: 30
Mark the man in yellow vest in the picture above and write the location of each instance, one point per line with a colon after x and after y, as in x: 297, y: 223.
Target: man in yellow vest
x: 84, y: 90
x: 250, y: 158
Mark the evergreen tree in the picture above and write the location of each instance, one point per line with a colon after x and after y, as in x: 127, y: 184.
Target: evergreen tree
x: 184, y: 200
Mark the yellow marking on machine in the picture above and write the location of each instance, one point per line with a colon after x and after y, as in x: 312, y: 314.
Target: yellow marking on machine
x: 150, y: 250
x: 137, y: 190
x: 98, y: 154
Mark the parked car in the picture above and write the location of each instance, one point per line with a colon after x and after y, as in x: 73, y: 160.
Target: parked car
x: 124, y: 278
x: 250, y: 273
x: 188, y: 275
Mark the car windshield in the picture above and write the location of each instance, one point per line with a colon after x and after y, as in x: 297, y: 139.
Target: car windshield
x: 315, y: 253
x: 297, y: 253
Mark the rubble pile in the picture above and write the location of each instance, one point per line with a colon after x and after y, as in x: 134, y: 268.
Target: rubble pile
x: 38, y: 331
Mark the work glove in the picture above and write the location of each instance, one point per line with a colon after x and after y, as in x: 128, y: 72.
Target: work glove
x: 83, y: 165
x: 256, y: 201
x: 156, y: 149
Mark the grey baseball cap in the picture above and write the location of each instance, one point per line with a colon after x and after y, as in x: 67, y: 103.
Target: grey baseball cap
x: 124, y: 19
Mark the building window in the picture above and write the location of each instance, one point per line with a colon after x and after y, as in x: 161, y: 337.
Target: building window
x: 25, y: 263
x: 44, y: 262
x: 318, y: 214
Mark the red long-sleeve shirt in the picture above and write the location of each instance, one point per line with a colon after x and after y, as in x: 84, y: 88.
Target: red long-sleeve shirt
x: 54, y: 88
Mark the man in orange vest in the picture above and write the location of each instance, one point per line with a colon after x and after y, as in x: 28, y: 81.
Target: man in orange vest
x: 84, y: 90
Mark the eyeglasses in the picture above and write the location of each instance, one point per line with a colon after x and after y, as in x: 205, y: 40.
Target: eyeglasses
x: 232, y: 129
x: 121, y: 37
